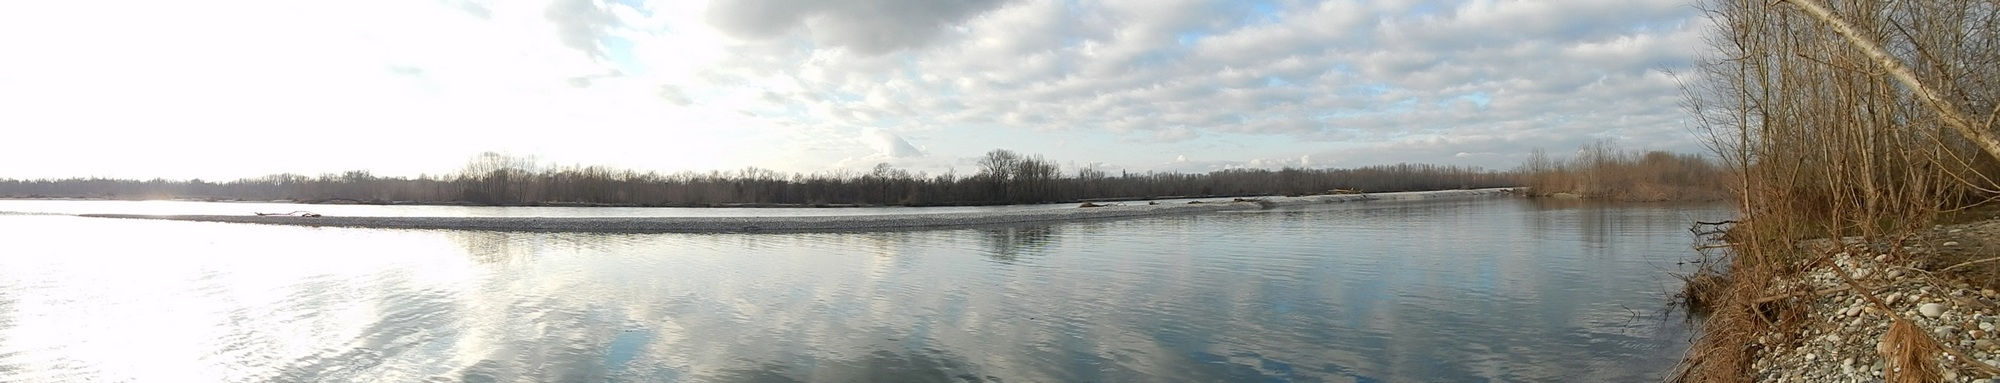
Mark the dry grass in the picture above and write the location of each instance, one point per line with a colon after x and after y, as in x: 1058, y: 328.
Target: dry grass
x: 1729, y: 342
x: 1910, y: 356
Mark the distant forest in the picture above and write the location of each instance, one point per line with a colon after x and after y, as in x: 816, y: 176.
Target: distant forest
x: 1003, y: 177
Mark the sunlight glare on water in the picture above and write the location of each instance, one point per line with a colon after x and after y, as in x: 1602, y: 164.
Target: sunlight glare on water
x: 1498, y: 288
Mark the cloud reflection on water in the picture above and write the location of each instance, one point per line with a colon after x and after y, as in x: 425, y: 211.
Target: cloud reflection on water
x: 1466, y: 290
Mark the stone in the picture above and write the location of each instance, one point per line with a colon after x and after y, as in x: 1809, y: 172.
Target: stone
x: 1931, y: 310
x: 1951, y: 243
x: 1852, y: 311
x: 1891, y: 299
x: 1835, y: 338
x: 1986, y: 326
x: 1986, y: 345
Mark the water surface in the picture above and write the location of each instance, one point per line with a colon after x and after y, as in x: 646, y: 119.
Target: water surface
x: 1498, y: 289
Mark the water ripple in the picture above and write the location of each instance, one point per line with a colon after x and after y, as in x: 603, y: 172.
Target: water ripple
x: 1437, y: 291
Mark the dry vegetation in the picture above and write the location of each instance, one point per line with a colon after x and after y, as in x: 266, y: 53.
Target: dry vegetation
x: 1840, y: 118
x: 1600, y: 171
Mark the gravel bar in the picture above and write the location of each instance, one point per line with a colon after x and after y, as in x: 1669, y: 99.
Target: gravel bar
x: 801, y: 224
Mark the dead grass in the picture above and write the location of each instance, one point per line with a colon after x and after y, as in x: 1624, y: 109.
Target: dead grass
x: 1910, y: 356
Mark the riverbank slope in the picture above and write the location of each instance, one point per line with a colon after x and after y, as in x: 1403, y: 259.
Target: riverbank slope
x: 1939, y: 286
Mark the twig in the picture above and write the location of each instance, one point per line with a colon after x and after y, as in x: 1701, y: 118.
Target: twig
x: 1829, y: 290
x: 1969, y: 263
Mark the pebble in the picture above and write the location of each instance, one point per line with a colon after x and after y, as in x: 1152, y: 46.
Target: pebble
x: 1841, y: 344
x: 1931, y: 310
x: 1951, y: 243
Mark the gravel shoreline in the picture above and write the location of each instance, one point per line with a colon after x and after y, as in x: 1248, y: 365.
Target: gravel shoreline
x: 1841, y: 336
x: 806, y: 223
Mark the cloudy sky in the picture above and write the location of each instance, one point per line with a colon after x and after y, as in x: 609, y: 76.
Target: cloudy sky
x: 228, y: 89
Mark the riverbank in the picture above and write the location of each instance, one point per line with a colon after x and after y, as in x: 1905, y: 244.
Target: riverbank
x: 1939, y: 285
x: 810, y: 223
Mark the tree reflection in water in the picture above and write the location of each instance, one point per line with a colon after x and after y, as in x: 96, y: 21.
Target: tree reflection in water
x: 1009, y: 244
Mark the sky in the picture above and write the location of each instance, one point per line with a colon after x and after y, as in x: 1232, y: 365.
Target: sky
x: 222, y: 89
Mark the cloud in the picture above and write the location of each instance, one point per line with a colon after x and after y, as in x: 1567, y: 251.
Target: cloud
x: 579, y: 24
x: 865, y: 26
x: 798, y: 85
x: 890, y: 145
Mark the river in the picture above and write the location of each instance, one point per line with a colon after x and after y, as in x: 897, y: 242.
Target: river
x: 1490, y: 288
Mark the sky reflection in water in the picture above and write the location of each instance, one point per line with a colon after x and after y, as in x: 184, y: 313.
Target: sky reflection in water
x: 1500, y: 289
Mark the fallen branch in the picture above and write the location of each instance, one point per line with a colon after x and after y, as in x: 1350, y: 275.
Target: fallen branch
x: 1948, y: 112
x: 1969, y: 263
x: 1714, y: 246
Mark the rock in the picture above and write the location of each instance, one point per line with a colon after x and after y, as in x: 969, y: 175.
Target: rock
x: 1951, y: 243
x: 1891, y: 299
x: 1931, y: 310
x: 1834, y: 338
x: 1986, y: 345
x: 1986, y: 326
x: 1852, y: 311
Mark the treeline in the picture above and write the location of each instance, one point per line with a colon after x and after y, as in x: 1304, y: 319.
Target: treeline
x: 1002, y: 177
x: 1601, y: 171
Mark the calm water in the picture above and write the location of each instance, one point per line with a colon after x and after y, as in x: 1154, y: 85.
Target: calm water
x: 1496, y: 289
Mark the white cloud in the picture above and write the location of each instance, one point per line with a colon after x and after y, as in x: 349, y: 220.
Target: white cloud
x: 804, y: 86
